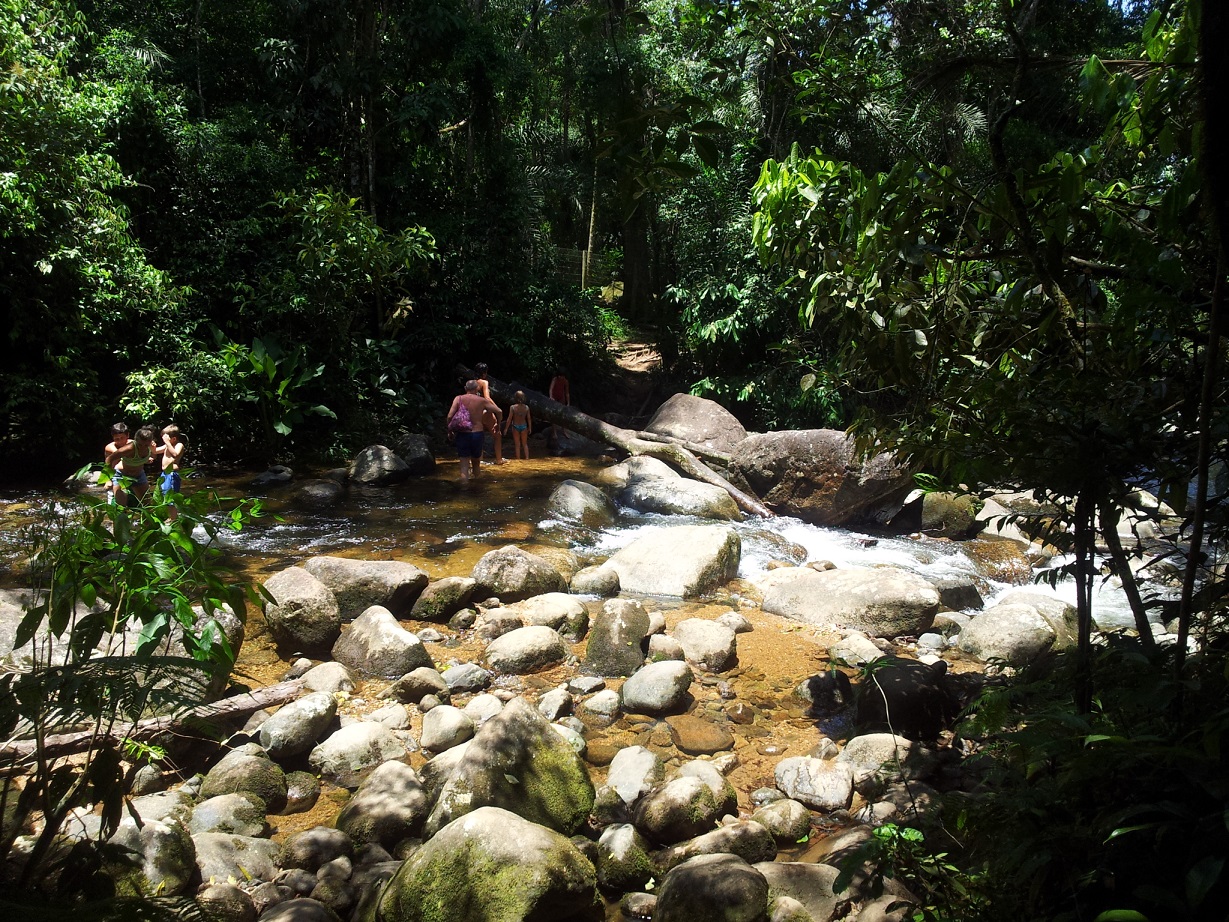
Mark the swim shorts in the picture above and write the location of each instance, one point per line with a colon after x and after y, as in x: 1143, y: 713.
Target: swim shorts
x: 469, y: 444
x: 171, y: 482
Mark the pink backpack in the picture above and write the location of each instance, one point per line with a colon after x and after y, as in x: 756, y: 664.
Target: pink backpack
x: 460, y: 421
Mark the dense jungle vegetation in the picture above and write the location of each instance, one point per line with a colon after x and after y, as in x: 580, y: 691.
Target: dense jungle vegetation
x: 987, y: 233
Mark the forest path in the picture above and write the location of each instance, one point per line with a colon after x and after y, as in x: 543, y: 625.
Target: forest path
x: 636, y: 383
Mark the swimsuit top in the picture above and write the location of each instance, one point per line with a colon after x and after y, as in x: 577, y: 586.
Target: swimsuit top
x: 134, y: 462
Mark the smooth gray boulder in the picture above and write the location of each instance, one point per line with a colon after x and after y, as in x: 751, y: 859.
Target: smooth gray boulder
x: 595, y: 580
x: 378, y: 465
x: 809, y: 884
x: 684, y: 561
x: 388, y: 807
x: 639, y: 467
x: 880, y: 601
x: 822, y: 784
x: 443, y: 598
x: 414, y: 449
x: 349, y: 755
x: 313, y: 848
x: 787, y: 821
x: 296, y: 726
x: 160, y: 856
x: 328, y: 677
x: 376, y: 644
x: 222, y: 856
x: 525, y: 650
x: 317, y: 494
x: 623, y: 859
x: 513, y: 574
x: 680, y: 809
x: 699, y: 421
x: 491, y: 866
x: 658, y: 688
x: 706, y: 644
x: 418, y: 683
x: 558, y: 610
x: 616, y: 639
x: 576, y: 501
x: 304, y: 616
x: 633, y: 772
x: 1016, y: 634
x: 242, y: 814
x: 444, y: 727
x: 750, y: 841
x: 300, y: 909
x: 466, y: 677
x: 680, y: 497
x: 247, y: 769
x: 517, y: 761
x: 815, y: 475
x: 359, y: 584
x: 715, y: 888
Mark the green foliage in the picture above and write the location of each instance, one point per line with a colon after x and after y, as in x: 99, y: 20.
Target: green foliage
x: 122, y: 623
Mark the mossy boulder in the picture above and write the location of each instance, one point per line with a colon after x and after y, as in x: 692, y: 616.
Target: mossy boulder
x: 248, y: 770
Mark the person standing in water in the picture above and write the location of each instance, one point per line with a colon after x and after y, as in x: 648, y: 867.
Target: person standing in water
x: 521, y: 421
x: 559, y: 391
x: 171, y: 449
x: 469, y: 443
x: 490, y: 422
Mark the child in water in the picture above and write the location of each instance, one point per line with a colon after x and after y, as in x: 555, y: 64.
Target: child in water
x: 171, y: 449
x: 521, y: 421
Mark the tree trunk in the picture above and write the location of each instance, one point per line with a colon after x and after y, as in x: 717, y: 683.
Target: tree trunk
x: 684, y: 455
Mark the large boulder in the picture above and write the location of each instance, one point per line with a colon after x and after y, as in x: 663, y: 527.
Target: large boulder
x: 348, y: 756
x: 526, y: 649
x: 680, y: 497
x: 1014, y: 633
x: 706, y: 644
x: 247, y: 770
x: 513, y: 574
x: 715, y: 888
x: 378, y: 465
x: 296, y: 727
x: 443, y: 598
x: 822, y: 784
x: 639, y: 467
x: 491, y: 866
x: 223, y: 856
x: 684, y: 561
x: 680, y: 809
x: 415, y: 450
x: 388, y: 807
x: 303, y: 616
x: 376, y: 644
x: 359, y: 584
x: 880, y: 601
x: 577, y: 501
x: 814, y: 474
x: 699, y: 421
x: 658, y: 688
x: 616, y: 642
x: 518, y: 762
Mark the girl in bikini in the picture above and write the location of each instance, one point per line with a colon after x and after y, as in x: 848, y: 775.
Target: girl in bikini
x: 521, y: 421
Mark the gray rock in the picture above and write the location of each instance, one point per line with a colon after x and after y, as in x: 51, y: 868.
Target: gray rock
x: 482, y: 708
x: 555, y: 703
x: 615, y: 646
x: 328, y: 677
x: 444, y: 727
x: 699, y: 421
x: 160, y: 853
x: 599, y: 581
x: 443, y: 598
x: 665, y: 647
x: 604, y: 704
x: 714, y: 780
x: 513, y: 574
x: 378, y: 465
x: 558, y: 610
x: 786, y: 820
x: 618, y: 476
x: 680, y: 497
x: 226, y: 901
x: 715, y: 888
x: 318, y: 494
x: 958, y: 593
x: 684, y: 561
x: 222, y: 857
x: 633, y: 772
x: 658, y: 688
x: 387, y: 808
x: 303, y: 616
x: 415, y: 450
x: 300, y: 909
x: 360, y: 584
x: 623, y: 861
x: 302, y: 791
x: 706, y: 644
x: 881, y: 602
x: 815, y: 475
x: 375, y: 644
x: 527, y: 649
x: 467, y: 677
x: 242, y: 814
x: 297, y: 726
x: 809, y: 884
x: 854, y: 649
x: 553, y: 879
x: 750, y: 841
x: 819, y: 783
x: 1016, y: 634
x: 313, y: 848
x: 678, y: 810
x: 495, y: 622
x: 576, y: 501
x: 247, y: 769
x: 350, y: 754
x: 414, y: 685
x: 736, y: 622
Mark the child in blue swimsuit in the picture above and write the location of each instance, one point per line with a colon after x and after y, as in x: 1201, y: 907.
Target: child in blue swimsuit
x: 521, y: 422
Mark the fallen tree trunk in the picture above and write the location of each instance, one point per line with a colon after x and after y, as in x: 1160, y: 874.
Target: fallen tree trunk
x: 684, y: 455
x: 201, y: 721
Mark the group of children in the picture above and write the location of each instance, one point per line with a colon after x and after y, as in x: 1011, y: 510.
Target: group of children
x: 127, y: 457
x: 486, y: 417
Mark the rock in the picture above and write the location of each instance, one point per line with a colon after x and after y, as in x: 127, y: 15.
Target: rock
x: 491, y: 866
x: 318, y: 494
x: 516, y: 761
x: 495, y: 622
x: 389, y: 807
x: 606, y: 704
x: 697, y: 736
x: 706, y: 645
x: 378, y: 465
x: 328, y: 677
x: 736, y: 622
x: 558, y: 610
x: 665, y: 647
x: 414, y: 685
x: 750, y: 841
x: 444, y: 727
x: 482, y: 708
x: 375, y: 644
x: 222, y: 857
x: 525, y: 650
x: 303, y: 616
x: 818, y: 783
x: 714, y: 780
x: 297, y: 726
x: 313, y: 848
x: 913, y: 699
x: 575, y: 501
x: 879, y: 758
x: 641, y: 467
x: 513, y: 574
x: 684, y: 561
x: 678, y: 810
x: 787, y: 821
x: 699, y: 421
x: 854, y: 649
x: 159, y: 856
x: 300, y: 909
x: 1060, y: 615
x: 658, y: 688
x: 415, y: 450
x: 616, y: 639
x: 467, y: 677
x: 359, y: 584
x: 555, y: 703
x: 680, y: 497
x: 1016, y: 634
x: 249, y: 770
x: 814, y: 475
x: 443, y: 598
x: 598, y: 581
x: 715, y: 888
x: 226, y: 901
x: 623, y: 861
x: 350, y: 754
x: 881, y: 602
x: 809, y: 884
x: 958, y: 593
x: 633, y: 772
x: 276, y: 475
x: 242, y: 814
